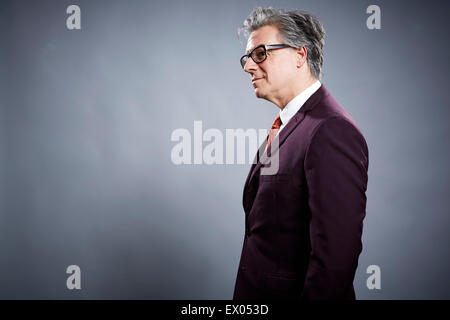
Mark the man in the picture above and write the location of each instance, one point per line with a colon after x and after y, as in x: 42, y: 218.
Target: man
x: 303, y: 225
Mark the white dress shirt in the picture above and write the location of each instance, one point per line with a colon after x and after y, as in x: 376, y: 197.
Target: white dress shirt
x: 295, y: 104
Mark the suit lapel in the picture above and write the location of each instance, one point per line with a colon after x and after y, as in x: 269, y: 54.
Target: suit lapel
x: 256, y: 160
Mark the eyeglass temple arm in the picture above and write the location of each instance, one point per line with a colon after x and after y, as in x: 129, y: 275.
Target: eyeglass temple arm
x: 276, y: 46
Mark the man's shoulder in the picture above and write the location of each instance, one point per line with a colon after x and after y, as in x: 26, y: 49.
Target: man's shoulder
x: 328, y: 112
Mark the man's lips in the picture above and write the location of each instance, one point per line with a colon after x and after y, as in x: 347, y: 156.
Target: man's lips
x: 256, y: 79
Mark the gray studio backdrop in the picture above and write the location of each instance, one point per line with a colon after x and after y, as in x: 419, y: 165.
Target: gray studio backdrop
x: 86, y: 176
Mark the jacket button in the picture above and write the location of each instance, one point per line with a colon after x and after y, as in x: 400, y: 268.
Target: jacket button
x: 247, y: 232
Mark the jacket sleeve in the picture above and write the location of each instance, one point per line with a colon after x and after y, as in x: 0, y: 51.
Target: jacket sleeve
x: 336, y: 167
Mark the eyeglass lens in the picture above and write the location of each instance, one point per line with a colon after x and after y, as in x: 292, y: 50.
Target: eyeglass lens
x: 258, y: 55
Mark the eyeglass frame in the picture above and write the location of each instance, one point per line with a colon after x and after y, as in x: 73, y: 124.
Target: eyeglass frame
x: 266, y: 48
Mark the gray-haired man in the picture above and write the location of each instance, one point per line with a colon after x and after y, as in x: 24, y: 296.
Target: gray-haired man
x: 303, y: 225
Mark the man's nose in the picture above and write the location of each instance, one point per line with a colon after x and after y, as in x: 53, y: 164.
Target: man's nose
x: 250, y: 65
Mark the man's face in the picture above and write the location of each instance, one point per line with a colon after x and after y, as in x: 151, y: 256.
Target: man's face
x: 271, y: 76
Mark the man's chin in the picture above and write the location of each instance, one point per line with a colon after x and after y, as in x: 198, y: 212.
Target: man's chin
x: 259, y: 93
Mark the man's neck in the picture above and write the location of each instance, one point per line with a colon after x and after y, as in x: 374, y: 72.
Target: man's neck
x: 299, y: 87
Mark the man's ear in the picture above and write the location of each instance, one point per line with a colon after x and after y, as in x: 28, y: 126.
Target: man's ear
x: 302, y: 54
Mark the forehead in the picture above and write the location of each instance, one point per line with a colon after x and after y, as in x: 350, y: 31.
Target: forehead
x: 264, y: 35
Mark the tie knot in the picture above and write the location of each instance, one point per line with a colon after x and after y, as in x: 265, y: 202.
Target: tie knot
x: 277, y: 123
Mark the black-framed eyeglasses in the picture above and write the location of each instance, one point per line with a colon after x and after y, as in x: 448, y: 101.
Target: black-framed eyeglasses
x: 259, y: 54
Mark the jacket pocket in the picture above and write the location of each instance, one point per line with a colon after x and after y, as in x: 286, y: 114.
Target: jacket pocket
x: 281, y: 177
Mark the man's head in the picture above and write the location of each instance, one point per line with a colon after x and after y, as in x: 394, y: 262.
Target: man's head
x: 286, y: 71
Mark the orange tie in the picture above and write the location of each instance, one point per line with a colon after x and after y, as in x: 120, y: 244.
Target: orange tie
x: 273, y: 131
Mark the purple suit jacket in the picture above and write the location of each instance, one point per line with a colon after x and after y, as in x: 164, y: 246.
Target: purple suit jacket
x: 303, y: 225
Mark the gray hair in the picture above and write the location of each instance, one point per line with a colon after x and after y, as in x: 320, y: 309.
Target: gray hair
x: 297, y: 29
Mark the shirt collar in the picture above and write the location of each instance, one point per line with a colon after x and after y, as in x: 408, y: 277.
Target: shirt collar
x: 295, y: 104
